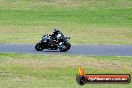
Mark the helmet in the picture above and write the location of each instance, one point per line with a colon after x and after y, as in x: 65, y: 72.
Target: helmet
x: 56, y: 30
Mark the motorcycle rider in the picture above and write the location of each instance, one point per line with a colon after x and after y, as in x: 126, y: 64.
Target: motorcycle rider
x: 54, y: 41
x: 55, y: 34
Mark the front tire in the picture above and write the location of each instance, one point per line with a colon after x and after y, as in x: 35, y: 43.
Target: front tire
x: 39, y: 47
x: 65, y: 47
x: 68, y: 45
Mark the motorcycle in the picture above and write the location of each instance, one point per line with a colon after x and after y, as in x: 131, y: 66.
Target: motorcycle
x: 49, y: 43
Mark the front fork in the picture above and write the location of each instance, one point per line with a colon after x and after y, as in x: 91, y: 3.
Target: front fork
x: 61, y: 45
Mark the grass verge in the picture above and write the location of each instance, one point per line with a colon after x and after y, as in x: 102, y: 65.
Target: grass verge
x: 57, y: 71
x: 85, y: 21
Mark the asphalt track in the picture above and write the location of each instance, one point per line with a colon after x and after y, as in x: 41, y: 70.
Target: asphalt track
x: 92, y: 50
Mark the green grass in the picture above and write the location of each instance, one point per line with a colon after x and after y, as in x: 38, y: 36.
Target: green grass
x: 49, y: 71
x: 87, y: 21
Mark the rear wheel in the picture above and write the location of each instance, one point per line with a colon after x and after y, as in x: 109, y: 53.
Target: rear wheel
x: 39, y: 47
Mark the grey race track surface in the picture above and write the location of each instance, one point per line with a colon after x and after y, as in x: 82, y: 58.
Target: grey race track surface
x: 94, y: 50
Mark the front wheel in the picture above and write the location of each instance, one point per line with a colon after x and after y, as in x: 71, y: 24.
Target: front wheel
x: 68, y: 45
x: 65, y: 47
x: 39, y: 47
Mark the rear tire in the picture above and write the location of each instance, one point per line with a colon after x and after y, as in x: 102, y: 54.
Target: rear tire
x: 39, y: 47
